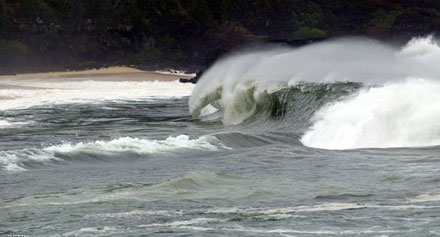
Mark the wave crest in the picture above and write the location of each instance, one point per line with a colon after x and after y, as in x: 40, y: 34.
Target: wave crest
x: 18, y: 160
x: 292, y: 89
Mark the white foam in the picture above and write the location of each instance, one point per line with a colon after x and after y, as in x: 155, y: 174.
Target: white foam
x: 13, y: 167
x: 196, y: 221
x: 55, y: 92
x: 403, y: 114
x: 224, y: 210
x: 134, y: 213
x: 8, y: 124
x: 12, y: 160
x: 287, y: 212
x: 105, y: 230
x: 135, y: 145
x: 4, y: 123
x: 124, y: 145
x: 316, y: 208
x: 427, y: 197
x: 209, y: 109
x: 283, y: 232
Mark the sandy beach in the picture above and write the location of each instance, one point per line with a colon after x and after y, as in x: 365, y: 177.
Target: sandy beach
x: 108, y: 84
x: 105, y: 74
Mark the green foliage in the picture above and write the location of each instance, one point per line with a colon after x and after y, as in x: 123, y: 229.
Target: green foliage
x: 307, y: 14
x: 13, y: 48
x: 33, y: 9
x: 156, y: 55
x: 71, y: 33
x: 12, y: 54
x: 309, y: 33
x: 383, y: 19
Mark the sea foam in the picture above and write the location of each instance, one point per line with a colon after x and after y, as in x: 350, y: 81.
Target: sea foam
x: 45, y: 91
x: 17, y: 160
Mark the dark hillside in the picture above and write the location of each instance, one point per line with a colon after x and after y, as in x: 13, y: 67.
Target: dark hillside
x: 43, y: 35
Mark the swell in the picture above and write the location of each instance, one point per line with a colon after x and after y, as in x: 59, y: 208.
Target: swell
x: 194, y: 185
x: 341, y: 115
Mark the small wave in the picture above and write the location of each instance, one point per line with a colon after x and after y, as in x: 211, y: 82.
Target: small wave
x: 129, y: 145
x: 18, y: 160
x: 8, y: 124
x: 196, y: 221
x: 133, y: 213
x: 196, y: 185
x: 198, y: 181
x: 13, y: 167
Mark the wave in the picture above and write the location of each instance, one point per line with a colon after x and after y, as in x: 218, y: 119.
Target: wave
x: 19, y: 160
x: 403, y: 114
x: 194, y: 185
x: 198, y: 181
x: 38, y: 92
x: 339, y: 94
x: 9, y: 124
x: 4, y: 123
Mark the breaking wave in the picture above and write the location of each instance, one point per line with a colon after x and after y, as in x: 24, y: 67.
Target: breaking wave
x: 19, y: 160
x: 403, y: 114
x: 340, y: 94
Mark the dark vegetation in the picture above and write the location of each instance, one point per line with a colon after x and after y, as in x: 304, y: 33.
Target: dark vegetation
x: 43, y: 35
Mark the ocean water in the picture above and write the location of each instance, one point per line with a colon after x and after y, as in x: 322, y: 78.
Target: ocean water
x: 339, y: 138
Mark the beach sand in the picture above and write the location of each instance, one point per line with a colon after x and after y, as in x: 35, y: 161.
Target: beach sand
x: 19, y: 81
x: 116, y: 83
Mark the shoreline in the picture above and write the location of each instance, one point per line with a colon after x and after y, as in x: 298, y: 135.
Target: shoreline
x: 102, y: 74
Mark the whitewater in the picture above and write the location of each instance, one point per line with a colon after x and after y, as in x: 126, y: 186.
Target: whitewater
x: 336, y: 138
x: 398, y: 106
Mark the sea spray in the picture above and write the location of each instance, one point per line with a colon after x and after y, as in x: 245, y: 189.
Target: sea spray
x: 240, y: 85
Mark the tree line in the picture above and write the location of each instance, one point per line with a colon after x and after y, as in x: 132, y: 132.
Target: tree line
x: 43, y: 35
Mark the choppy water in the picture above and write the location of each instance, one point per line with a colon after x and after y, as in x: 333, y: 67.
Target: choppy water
x: 293, y: 157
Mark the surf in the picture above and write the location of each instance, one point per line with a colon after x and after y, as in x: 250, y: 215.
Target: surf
x: 119, y: 148
x: 387, y: 98
x: 41, y: 91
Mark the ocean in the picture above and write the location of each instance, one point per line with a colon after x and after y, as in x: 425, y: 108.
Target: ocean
x: 338, y: 138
